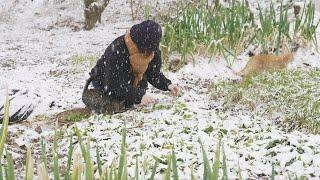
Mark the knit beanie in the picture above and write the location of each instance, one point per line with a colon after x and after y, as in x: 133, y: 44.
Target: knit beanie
x: 146, y: 35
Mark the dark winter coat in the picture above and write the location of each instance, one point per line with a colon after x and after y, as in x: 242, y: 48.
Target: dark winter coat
x: 113, y: 76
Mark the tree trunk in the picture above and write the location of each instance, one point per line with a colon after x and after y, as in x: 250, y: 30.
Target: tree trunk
x: 92, y: 12
x: 216, y: 4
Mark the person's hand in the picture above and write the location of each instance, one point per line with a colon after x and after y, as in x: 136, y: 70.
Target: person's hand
x: 146, y: 99
x: 174, y: 89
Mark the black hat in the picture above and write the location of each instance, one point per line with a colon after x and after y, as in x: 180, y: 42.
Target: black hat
x: 146, y: 35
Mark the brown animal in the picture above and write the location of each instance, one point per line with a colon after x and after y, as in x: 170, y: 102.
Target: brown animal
x: 95, y: 101
x: 99, y: 102
x: 260, y: 63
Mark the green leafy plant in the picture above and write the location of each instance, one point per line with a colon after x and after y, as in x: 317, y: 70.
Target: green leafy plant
x: 213, y: 173
x: 74, y: 117
x: 227, y: 31
x: 84, y: 59
x: 200, y: 29
x: 5, y: 123
x: 293, y: 93
x: 306, y: 23
x: 271, y: 27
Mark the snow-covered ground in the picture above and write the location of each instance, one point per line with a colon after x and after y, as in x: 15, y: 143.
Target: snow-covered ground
x: 38, y: 42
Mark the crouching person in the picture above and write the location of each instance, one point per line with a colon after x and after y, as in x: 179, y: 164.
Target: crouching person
x: 122, y: 74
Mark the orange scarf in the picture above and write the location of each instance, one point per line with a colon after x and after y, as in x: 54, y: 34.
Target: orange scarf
x: 139, y: 61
